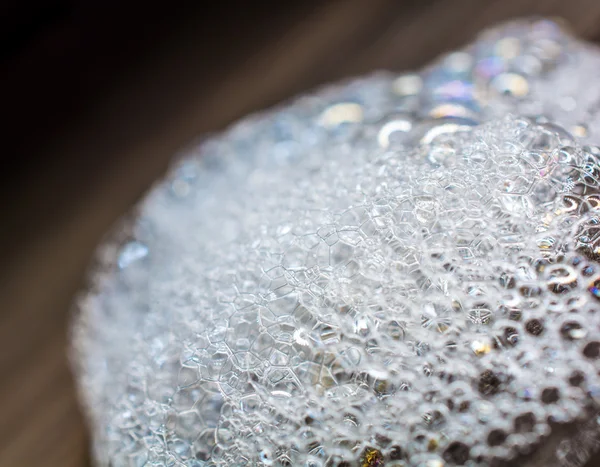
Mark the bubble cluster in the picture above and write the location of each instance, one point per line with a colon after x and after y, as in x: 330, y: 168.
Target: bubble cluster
x: 395, y: 271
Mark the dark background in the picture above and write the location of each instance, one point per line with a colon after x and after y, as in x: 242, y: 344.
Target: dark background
x: 97, y: 96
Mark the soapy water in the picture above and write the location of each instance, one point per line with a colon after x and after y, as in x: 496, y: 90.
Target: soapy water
x: 397, y: 270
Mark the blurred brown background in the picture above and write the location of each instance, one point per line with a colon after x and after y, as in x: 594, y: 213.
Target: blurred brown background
x: 97, y: 97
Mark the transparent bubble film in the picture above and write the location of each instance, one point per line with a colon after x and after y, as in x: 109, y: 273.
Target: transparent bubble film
x: 399, y: 270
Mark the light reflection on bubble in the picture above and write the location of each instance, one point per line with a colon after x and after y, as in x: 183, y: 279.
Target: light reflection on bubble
x: 508, y: 48
x: 510, y: 84
x: 442, y: 126
x: 452, y: 110
x: 345, y: 112
x: 407, y: 85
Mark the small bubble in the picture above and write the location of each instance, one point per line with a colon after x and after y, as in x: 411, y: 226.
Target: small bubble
x: 408, y: 85
x: 528, y: 65
x: 344, y: 112
x: 594, y: 288
x: 561, y: 278
x: 588, y: 270
x: 458, y: 62
x: 265, y: 457
x: 180, y: 188
x: 432, y: 444
x: 580, y: 130
x: 548, y: 50
x: 455, y: 90
x: 572, y: 330
x: 480, y: 315
x: 464, y: 406
x: 445, y: 126
x: 393, y: 130
x: 396, y: 453
x: 576, y: 378
x: 510, y: 84
x: 550, y: 395
x: 496, y: 437
x: 511, y: 336
x: 489, y: 383
x: 132, y: 252
x: 371, y: 457
x: 508, y: 47
x: 381, y: 387
x: 489, y: 67
x: 525, y: 423
x: 592, y: 350
x: 396, y: 330
x: 534, y: 327
x: 481, y: 347
x: 382, y: 440
x: 456, y: 453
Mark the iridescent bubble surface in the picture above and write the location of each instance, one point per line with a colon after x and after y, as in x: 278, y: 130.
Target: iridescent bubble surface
x: 395, y: 271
